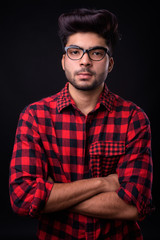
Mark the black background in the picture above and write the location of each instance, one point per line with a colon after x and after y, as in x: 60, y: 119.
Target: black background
x: 30, y: 69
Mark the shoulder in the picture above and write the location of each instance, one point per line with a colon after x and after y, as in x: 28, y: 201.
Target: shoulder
x: 128, y: 108
x: 121, y: 103
x: 45, y: 104
x: 41, y: 110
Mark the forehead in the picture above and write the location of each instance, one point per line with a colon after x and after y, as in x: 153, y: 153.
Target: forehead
x: 86, y: 40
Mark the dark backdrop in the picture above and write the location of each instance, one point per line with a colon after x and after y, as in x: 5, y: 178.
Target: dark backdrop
x: 30, y: 69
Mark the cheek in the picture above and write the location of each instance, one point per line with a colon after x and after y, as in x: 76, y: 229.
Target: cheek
x: 102, y: 71
x: 68, y: 66
x: 68, y: 69
x: 102, y: 68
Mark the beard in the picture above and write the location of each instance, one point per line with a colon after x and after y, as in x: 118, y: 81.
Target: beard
x: 85, y: 84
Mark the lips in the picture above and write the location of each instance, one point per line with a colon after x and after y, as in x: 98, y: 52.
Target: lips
x: 84, y: 75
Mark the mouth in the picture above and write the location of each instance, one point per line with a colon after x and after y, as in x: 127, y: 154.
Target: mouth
x: 85, y: 75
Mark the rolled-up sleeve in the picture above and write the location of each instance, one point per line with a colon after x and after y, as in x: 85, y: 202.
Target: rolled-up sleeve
x: 135, y: 169
x: 28, y: 185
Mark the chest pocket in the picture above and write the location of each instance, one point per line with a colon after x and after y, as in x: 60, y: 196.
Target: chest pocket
x: 104, y: 156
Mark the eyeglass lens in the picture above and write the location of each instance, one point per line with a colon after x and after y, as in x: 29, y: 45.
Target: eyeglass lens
x: 94, y: 54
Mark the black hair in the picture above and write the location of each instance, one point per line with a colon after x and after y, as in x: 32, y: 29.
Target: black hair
x: 101, y: 22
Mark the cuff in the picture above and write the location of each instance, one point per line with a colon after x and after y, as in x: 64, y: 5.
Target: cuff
x: 130, y: 194
x: 43, y: 190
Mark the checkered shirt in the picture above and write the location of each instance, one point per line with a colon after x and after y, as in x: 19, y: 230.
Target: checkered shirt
x: 55, y: 139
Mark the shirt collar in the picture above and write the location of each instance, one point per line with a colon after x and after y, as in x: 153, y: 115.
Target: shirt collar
x: 64, y: 99
x: 107, y: 98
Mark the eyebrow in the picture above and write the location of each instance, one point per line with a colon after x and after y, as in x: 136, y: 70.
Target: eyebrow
x: 97, y: 46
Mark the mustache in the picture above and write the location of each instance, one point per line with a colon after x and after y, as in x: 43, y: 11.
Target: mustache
x: 84, y: 70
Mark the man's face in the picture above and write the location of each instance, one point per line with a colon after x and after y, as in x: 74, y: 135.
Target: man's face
x: 86, y: 74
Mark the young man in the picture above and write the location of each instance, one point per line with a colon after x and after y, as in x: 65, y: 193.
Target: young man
x: 82, y: 158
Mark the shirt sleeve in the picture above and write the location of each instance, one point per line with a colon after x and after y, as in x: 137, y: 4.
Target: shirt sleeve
x: 135, y: 168
x: 28, y: 185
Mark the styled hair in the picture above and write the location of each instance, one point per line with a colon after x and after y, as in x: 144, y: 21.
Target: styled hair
x: 102, y: 22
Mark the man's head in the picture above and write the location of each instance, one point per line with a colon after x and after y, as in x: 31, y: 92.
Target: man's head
x: 88, y: 38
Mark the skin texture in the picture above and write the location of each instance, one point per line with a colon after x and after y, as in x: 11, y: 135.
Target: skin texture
x: 85, y: 74
x: 66, y: 195
x: 86, y: 77
x: 94, y: 197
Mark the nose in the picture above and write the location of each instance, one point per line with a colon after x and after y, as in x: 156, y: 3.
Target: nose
x: 85, y: 60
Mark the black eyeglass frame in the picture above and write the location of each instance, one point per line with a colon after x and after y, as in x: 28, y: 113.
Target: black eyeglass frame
x: 87, y: 51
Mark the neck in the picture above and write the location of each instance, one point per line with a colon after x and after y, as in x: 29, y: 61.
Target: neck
x: 85, y: 100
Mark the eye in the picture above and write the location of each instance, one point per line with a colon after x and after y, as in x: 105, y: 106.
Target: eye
x: 74, y: 52
x: 97, y: 53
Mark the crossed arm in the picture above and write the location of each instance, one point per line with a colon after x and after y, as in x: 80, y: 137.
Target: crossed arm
x: 94, y: 197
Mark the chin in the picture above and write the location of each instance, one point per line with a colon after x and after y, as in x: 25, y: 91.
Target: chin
x: 84, y: 87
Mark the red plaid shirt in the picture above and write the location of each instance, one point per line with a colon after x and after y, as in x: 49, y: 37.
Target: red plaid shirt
x: 55, y: 139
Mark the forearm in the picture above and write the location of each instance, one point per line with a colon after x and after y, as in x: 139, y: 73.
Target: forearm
x: 108, y: 206
x: 66, y: 195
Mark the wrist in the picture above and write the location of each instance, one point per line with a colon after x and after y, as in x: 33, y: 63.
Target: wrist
x: 98, y: 184
x: 101, y: 185
x: 110, y: 183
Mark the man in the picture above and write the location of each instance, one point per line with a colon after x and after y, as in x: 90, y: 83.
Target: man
x: 82, y: 158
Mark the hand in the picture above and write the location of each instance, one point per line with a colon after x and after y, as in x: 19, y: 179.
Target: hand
x: 111, y: 183
x: 50, y: 179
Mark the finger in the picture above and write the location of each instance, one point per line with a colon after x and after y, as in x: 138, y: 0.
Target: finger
x: 50, y: 179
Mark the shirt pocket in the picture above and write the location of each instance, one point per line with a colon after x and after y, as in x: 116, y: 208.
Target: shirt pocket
x: 104, y: 156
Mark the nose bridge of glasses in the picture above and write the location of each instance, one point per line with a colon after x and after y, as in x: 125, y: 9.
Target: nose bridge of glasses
x: 86, y: 51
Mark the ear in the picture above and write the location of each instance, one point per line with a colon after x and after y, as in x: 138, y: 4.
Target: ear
x: 62, y: 62
x: 111, y: 64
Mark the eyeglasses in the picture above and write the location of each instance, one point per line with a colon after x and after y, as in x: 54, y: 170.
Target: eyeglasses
x: 96, y: 53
